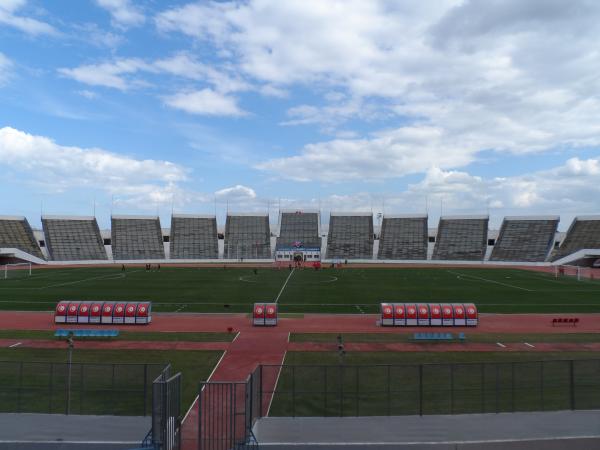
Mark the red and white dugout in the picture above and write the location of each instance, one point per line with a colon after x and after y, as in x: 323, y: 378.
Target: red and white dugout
x: 77, y: 312
x: 264, y: 314
x: 429, y: 314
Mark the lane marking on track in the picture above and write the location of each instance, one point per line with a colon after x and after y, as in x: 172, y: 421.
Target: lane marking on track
x: 489, y: 281
x: 285, y: 284
x: 501, y: 344
x: 15, y: 345
x: 236, y: 336
x: 529, y: 345
x: 360, y: 309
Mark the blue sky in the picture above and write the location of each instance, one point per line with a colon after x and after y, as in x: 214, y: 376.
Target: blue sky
x: 459, y: 107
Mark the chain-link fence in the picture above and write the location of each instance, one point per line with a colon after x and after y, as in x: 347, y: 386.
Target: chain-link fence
x: 105, y: 389
x: 347, y: 390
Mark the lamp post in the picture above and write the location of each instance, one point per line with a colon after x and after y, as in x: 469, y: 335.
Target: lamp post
x: 71, y: 345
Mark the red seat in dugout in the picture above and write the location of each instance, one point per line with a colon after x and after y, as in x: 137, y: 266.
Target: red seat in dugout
x: 429, y: 314
x: 103, y: 312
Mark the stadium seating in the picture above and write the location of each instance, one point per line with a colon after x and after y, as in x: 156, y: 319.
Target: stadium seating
x: 299, y: 228
x: 15, y: 232
x: 403, y: 237
x: 73, y: 238
x: 193, y: 237
x: 247, y: 237
x: 584, y: 233
x: 136, y: 237
x: 461, y: 238
x: 350, y: 236
x: 526, y: 239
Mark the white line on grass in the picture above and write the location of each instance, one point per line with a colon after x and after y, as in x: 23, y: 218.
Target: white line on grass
x: 276, y: 382
x: 15, y: 345
x: 285, y: 284
x: 360, y: 309
x: 501, y: 344
x: 529, y: 345
x: 489, y: 281
x: 208, y: 379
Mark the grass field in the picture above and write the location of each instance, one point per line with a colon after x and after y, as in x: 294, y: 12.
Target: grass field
x: 107, y: 381
x: 126, y: 336
x: 384, y: 383
x: 330, y: 290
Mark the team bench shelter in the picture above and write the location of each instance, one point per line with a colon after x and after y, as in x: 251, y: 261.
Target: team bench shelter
x: 429, y: 314
x: 98, y: 312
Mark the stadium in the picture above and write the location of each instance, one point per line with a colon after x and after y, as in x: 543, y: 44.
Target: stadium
x: 530, y: 357
x: 299, y: 225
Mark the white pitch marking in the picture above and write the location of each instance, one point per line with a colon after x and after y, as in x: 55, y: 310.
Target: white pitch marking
x: 500, y: 344
x: 15, y: 345
x: 285, y: 284
x: 529, y: 345
x: 243, y: 278
x: 489, y: 281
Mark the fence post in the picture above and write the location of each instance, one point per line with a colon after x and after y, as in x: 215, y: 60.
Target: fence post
x: 451, y: 388
x: 357, y: 392
x: 389, y: 393
x: 497, y: 385
x: 51, y: 387
x: 482, y: 388
x: 542, y: 385
x: 420, y: 389
x: 325, y: 390
x: 572, y: 383
x: 145, y: 389
x: 512, y: 385
x: 81, y: 387
x: 260, y: 390
x: 20, y: 386
x: 293, y: 391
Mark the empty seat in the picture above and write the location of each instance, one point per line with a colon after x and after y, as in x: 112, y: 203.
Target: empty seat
x: 527, y: 239
x: 461, y: 238
x: 247, y: 237
x: 403, y: 237
x: 193, y: 237
x: 15, y: 232
x: 299, y: 228
x: 136, y: 237
x: 584, y: 233
x: 73, y: 238
x: 350, y: 236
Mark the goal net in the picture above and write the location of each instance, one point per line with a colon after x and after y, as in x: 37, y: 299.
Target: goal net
x: 577, y: 272
x: 17, y: 270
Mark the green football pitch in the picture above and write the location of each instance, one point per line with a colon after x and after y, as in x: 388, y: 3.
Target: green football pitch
x: 344, y: 290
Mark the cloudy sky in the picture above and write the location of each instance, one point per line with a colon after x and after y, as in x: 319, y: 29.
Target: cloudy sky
x: 458, y: 107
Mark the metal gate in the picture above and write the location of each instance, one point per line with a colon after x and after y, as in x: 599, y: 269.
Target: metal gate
x: 166, y: 411
x: 227, y: 412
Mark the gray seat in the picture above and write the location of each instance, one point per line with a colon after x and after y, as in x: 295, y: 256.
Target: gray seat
x: 461, y: 238
x: 247, y: 237
x: 350, y: 236
x: 136, y: 237
x: 193, y: 237
x: 73, y: 238
x: 15, y: 232
x: 527, y: 239
x: 299, y: 228
x: 583, y: 233
x: 403, y: 237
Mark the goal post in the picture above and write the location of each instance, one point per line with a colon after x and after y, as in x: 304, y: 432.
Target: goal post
x: 578, y: 272
x: 17, y: 270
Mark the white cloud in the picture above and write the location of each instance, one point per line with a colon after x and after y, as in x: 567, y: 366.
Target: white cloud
x: 5, y: 68
x: 60, y: 168
x: 237, y: 193
x: 205, y: 102
x: 35, y: 27
x: 508, y: 76
x: 90, y: 95
x: 107, y: 74
x: 123, y: 13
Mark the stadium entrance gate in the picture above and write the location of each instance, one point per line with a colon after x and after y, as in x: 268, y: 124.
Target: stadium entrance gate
x: 227, y: 412
x: 166, y: 411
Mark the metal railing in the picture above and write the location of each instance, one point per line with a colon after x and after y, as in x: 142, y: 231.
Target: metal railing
x: 422, y: 389
x: 166, y: 411
x: 104, y: 389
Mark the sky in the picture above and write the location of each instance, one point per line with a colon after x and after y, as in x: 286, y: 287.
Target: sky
x: 445, y: 107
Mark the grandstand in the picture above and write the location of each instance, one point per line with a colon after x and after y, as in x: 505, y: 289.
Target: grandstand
x: 136, y: 238
x: 193, y: 237
x: 15, y: 233
x: 527, y: 239
x: 584, y: 233
x: 298, y: 235
x: 461, y: 238
x: 247, y: 236
x: 350, y: 236
x: 73, y: 238
x: 403, y: 237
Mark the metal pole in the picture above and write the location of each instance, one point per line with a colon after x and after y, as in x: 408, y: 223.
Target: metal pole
x: 421, y: 389
x: 451, y: 388
x: 483, y: 387
x: 69, y: 367
x: 572, y: 383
